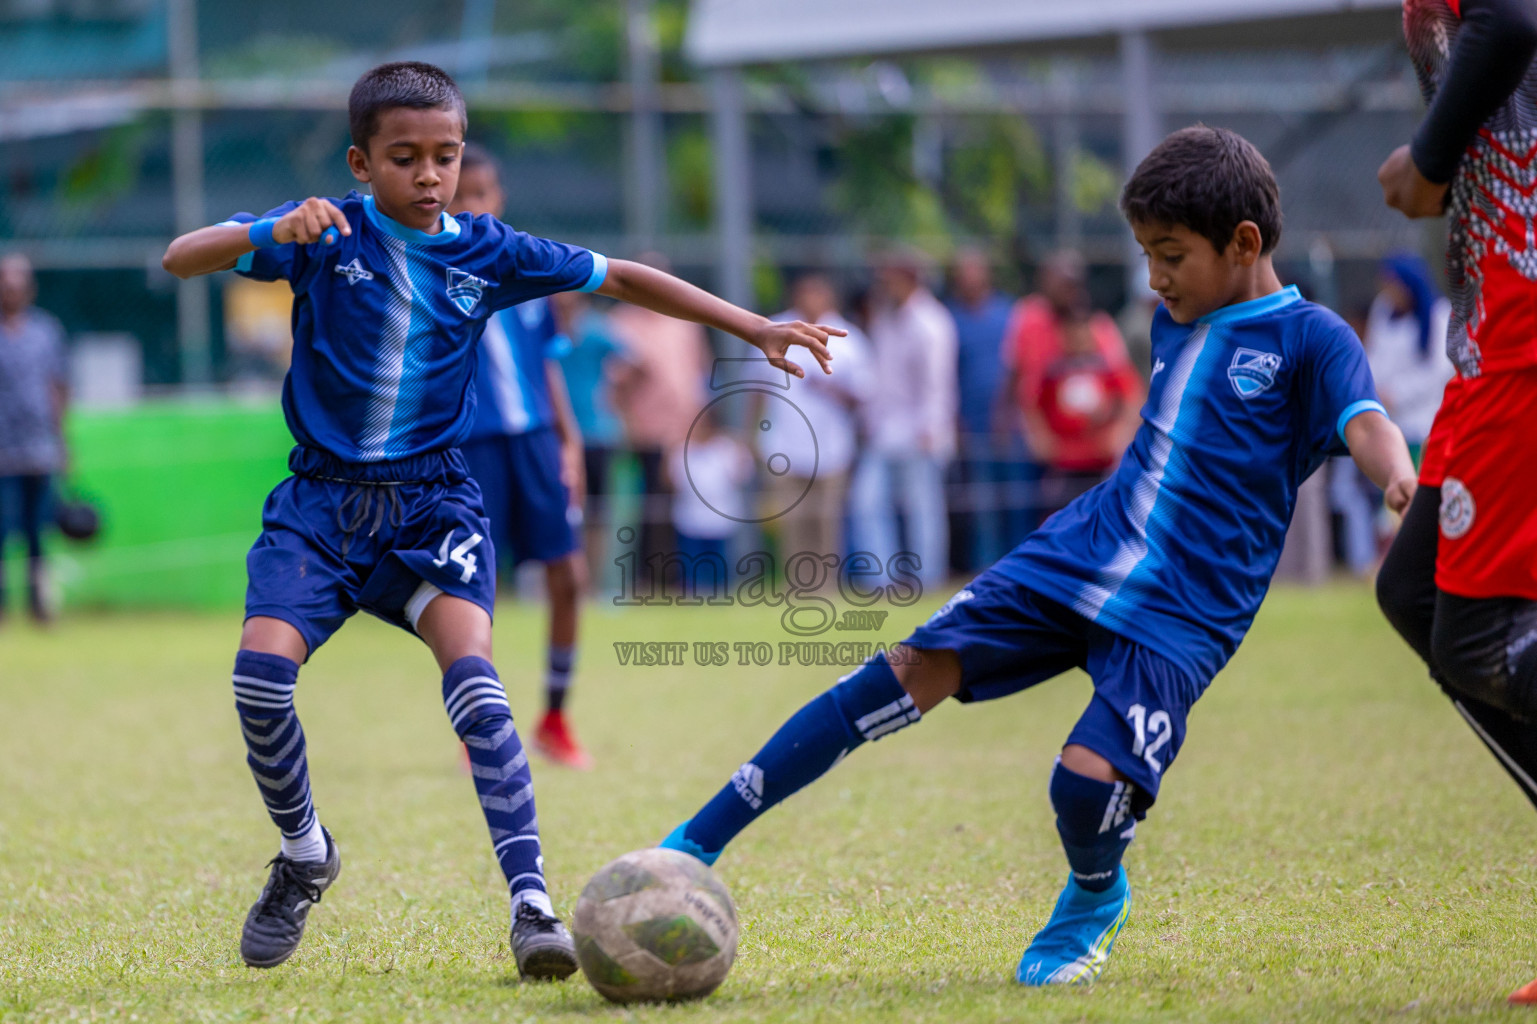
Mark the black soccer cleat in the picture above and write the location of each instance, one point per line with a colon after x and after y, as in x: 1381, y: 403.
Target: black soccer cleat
x: 275, y: 924
x: 541, y: 945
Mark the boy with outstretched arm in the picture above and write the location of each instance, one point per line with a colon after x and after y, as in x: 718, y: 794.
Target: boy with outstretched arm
x: 1149, y: 580
x: 390, y: 297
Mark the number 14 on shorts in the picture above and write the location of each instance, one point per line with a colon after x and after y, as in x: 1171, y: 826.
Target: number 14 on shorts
x: 461, y: 557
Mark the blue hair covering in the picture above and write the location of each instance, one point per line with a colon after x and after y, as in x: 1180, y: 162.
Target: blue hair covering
x: 1410, y: 270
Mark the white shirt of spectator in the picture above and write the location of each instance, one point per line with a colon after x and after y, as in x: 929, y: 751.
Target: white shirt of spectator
x: 913, y: 408
x: 709, y: 488
x: 1409, y: 385
x: 832, y: 403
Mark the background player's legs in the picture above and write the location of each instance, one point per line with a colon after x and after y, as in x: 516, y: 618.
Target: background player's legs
x: 872, y: 701
x: 459, y: 634
x: 1406, y: 591
x: 266, y: 672
x: 564, y: 582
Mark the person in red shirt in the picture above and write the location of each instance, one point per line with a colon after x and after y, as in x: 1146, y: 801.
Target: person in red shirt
x: 1074, y: 386
x: 1077, y: 414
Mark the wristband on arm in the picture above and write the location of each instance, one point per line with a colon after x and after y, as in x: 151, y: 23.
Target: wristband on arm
x: 260, y: 233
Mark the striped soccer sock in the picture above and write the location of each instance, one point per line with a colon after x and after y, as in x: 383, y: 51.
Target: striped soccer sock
x: 557, y: 680
x: 1096, y: 821
x: 867, y: 704
x: 264, y: 697
x: 477, y: 708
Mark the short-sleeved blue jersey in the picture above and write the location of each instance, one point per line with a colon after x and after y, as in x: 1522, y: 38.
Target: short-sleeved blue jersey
x: 1176, y: 549
x: 386, y: 323
x: 512, y: 388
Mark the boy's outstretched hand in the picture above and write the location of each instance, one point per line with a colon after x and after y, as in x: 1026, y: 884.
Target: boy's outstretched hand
x: 307, y: 222
x: 656, y: 290
x: 775, y: 340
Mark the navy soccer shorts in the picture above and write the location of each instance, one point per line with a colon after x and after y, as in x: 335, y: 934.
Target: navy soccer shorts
x: 529, y: 508
x: 384, y: 537
x: 1009, y: 638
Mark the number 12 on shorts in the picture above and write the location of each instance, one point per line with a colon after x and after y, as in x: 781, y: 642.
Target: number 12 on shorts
x: 460, y: 555
x: 1152, y: 733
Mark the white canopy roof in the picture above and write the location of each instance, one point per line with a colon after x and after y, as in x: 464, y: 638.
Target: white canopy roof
x: 758, y: 31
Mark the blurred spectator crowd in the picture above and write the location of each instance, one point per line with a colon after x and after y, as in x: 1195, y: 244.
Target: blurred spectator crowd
x: 958, y: 417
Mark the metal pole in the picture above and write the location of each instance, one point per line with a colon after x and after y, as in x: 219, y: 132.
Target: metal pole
x: 192, y: 296
x: 1139, y: 132
x: 733, y: 186
x: 643, y: 201
x: 1064, y: 82
x: 475, y: 30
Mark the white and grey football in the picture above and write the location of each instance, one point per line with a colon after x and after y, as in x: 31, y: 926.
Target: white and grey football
x: 655, y: 925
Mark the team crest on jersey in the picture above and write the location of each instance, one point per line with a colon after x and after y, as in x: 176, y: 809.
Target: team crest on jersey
x: 1457, y: 508
x: 465, y: 289
x: 354, y: 272
x: 1252, y: 373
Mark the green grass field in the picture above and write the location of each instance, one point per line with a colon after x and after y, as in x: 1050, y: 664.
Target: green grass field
x: 1332, y: 845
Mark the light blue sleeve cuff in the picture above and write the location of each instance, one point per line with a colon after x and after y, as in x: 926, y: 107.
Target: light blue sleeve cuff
x: 599, y: 273
x: 243, y: 264
x: 1355, y: 409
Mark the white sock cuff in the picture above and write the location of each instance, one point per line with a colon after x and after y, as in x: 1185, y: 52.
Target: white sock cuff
x: 537, y: 898
x: 310, y: 847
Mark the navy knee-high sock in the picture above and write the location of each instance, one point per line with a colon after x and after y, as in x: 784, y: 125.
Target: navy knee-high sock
x: 264, y: 697
x: 477, y: 708
x: 1096, y: 823
x: 865, y: 705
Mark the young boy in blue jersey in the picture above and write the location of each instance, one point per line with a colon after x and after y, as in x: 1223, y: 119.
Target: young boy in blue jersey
x: 1149, y: 580
x: 390, y: 296
x: 525, y: 452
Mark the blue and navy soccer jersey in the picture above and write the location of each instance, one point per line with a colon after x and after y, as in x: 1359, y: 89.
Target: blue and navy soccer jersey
x: 386, y: 321
x: 1176, y: 549
x: 512, y: 389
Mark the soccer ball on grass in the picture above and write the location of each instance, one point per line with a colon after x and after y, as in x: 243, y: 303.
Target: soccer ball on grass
x: 655, y: 925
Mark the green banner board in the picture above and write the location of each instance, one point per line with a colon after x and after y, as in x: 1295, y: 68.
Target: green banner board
x: 180, y: 487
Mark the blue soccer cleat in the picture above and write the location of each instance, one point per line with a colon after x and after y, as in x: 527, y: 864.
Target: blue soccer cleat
x: 676, y: 841
x: 1075, y: 944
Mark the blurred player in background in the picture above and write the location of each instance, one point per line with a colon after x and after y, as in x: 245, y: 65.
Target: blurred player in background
x: 594, y: 356
x: 1460, y: 582
x: 391, y: 295
x: 1148, y: 581
x: 525, y: 451
x: 34, y: 387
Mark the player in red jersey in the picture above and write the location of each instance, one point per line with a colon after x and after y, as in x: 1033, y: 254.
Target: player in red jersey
x: 1460, y: 583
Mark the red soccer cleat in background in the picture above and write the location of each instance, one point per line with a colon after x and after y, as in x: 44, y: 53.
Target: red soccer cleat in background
x: 1526, y: 995
x: 554, y: 740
